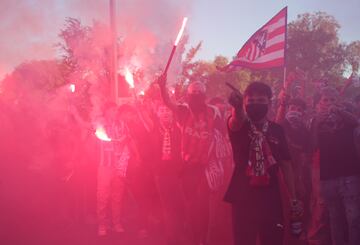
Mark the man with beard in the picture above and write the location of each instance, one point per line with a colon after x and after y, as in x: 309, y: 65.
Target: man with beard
x: 333, y: 135
x: 260, y: 150
x: 198, y: 121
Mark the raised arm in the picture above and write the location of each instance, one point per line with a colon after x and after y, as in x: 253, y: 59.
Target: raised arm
x: 284, y: 96
x: 281, y: 111
x: 237, y: 117
x: 164, y: 93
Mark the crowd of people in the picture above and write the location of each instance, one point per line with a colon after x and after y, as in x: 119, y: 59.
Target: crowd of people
x: 181, y: 149
x: 253, y: 169
x: 296, y: 172
x: 321, y: 150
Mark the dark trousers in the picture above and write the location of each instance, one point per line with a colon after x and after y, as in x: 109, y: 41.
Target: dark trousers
x: 173, y: 204
x: 342, y: 197
x: 258, y: 217
x: 197, y: 197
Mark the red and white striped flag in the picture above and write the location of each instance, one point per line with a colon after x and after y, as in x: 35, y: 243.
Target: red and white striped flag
x: 265, y: 48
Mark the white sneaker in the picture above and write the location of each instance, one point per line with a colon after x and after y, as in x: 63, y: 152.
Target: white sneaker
x: 102, y: 230
x: 118, y: 228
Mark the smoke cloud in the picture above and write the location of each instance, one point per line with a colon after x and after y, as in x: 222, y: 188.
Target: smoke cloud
x: 29, y: 28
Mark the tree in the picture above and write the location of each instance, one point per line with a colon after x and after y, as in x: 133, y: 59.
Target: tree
x: 353, y: 55
x: 33, y: 95
x: 32, y: 82
x: 86, y: 56
x: 208, y: 73
x: 314, y: 47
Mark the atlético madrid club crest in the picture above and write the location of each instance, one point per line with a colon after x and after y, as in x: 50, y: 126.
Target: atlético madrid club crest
x: 265, y: 48
x: 260, y: 41
x: 258, y: 46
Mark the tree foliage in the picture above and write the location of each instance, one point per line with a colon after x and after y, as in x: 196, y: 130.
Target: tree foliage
x: 353, y: 55
x: 208, y: 73
x: 32, y: 81
x: 314, y: 47
x: 86, y: 56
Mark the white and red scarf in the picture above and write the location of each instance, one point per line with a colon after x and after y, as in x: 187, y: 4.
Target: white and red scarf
x: 166, y: 143
x: 260, y: 156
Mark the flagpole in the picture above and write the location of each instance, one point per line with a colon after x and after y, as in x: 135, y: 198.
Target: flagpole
x: 285, y: 49
x: 114, y: 86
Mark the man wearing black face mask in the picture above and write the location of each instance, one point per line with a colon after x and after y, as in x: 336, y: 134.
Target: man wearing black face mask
x: 260, y: 150
x: 198, y: 120
x: 196, y: 97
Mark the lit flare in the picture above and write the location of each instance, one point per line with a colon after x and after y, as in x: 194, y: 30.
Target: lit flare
x: 72, y: 88
x: 129, y: 78
x: 175, y: 45
x: 181, y: 31
x: 101, y: 134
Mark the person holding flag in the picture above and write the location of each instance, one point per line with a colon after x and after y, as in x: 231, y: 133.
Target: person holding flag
x: 260, y: 149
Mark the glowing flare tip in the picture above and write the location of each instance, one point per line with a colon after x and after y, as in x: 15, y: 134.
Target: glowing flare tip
x: 129, y: 78
x: 72, y: 88
x: 101, y: 134
x: 181, y: 31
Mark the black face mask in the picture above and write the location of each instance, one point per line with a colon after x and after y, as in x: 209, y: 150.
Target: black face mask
x: 196, y: 102
x: 256, y: 112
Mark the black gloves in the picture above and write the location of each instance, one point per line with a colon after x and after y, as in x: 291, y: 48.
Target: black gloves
x: 236, y: 100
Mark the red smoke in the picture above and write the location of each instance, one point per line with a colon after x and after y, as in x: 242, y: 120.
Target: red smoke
x: 29, y: 28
